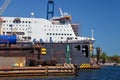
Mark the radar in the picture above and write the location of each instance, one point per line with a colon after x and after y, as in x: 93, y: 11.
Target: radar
x: 32, y: 14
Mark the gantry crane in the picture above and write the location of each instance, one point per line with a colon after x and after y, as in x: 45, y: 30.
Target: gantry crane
x: 50, y: 9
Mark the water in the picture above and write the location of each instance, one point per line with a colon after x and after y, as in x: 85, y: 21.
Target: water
x: 106, y: 73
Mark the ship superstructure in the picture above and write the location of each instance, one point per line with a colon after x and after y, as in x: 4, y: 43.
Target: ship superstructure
x: 56, y: 30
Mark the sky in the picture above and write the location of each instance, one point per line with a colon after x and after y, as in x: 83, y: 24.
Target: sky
x: 101, y: 15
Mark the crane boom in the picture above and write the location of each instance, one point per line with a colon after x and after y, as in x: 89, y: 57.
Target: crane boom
x: 4, y: 6
x: 61, y: 11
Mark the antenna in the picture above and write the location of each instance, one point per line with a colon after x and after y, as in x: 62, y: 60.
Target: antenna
x: 4, y: 6
x: 92, y: 33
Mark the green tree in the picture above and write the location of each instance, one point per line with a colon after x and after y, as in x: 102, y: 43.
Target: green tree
x: 115, y: 59
x: 104, y: 57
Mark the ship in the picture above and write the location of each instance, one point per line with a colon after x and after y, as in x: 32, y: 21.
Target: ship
x: 58, y: 35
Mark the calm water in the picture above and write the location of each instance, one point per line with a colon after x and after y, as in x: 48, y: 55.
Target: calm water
x: 106, y: 73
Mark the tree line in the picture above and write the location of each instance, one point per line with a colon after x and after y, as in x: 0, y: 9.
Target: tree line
x: 104, y: 58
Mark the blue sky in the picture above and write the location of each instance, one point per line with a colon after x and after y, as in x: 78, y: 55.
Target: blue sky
x: 102, y: 15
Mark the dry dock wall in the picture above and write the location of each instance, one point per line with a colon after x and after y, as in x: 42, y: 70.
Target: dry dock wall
x: 58, y: 51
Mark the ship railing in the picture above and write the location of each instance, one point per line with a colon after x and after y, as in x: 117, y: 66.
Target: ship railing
x: 80, y: 41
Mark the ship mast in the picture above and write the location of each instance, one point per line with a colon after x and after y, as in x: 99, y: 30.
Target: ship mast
x: 92, y: 36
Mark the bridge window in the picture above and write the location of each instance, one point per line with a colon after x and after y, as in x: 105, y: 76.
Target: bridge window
x: 17, y: 20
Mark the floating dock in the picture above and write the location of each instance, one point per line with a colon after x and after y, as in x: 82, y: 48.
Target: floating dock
x: 65, y: 70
